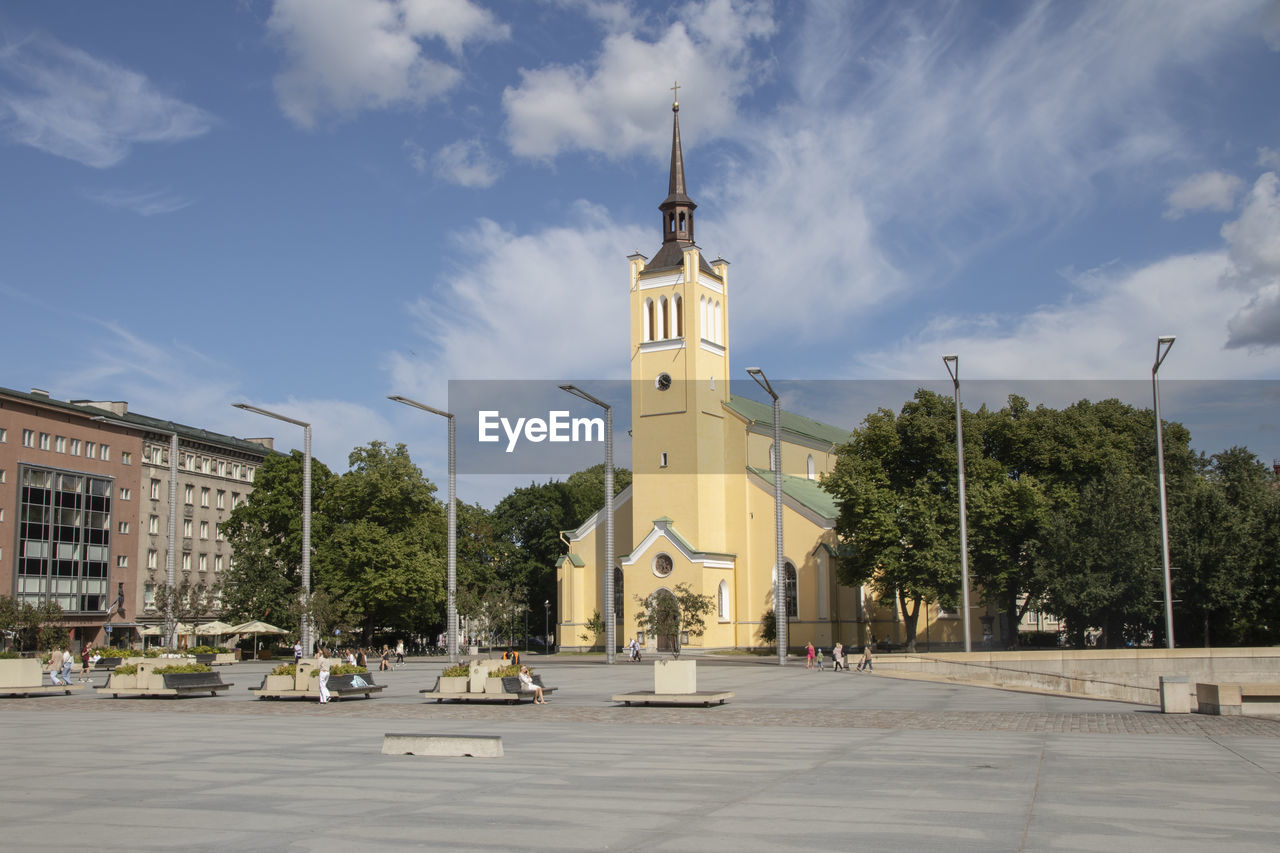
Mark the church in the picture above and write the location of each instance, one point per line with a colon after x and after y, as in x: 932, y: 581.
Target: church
x: 700, y: 508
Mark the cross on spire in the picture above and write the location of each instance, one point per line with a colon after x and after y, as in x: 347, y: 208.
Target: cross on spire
x: 675, y: 96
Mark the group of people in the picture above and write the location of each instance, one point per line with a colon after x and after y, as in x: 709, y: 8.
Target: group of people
x: 813, y: 658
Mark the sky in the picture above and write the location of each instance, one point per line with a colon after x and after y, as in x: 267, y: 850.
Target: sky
x: 309, y: 205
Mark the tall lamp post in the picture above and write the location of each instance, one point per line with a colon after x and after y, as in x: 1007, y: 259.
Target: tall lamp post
x: 611, y: 615
x: 308, y: 644
x: 1163, y: 345
x: 546, y: 625
x: 451, y: 615
x: 953, y: 370
x: 779, y: 572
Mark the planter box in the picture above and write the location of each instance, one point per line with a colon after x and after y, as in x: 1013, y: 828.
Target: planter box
x: 675, y: 676
x: 493, y: 685
x: 123, y: 681
x: 454, y: 684
x: 278, y: 682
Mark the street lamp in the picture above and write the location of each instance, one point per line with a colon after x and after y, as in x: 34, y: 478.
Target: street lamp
x: 1163, y: 344
x: 611, y: 617
x: 953, y: 370
x: 546, y: 625
x: 308, y: 645
x: 451, y: 614
x: 779, y: 574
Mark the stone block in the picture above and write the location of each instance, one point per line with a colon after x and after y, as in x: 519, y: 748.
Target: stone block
x: 1175, y: 694
x: 474, y: 746
x: 673, y: 677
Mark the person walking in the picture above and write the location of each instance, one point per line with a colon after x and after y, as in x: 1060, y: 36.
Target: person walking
x: 68, y: 662
x: 385, y: 663
x: 808, y: 656
x: 55, y: 667
x: 399, y: 652
x: 297, y: 653
x: 837, y: 658
x: 818, y: 659
x: 323, y: 664
x: 84, y: 662
x: 864, y: 665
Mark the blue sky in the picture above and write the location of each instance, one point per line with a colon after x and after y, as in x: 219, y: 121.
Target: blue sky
x: 311, y: 204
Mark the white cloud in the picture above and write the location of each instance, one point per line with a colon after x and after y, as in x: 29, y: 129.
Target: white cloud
x: 1105, y: 328
x: 1254, y: 252
x: 1206, y: 191
x: 65, y: 102
x: 467, y: 164
x: 607, y: 104
x: 1269, y: 158
x: 508, y: 313
x: 351, y: 55
x: 141, y: 202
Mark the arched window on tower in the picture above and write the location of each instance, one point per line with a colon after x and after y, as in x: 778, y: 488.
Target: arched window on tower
x: 792, y: 607
x: 722, y: 600
x: 671, y: 222
x: 717, y: 326
x: 677, y: 308
x: 682, y: 221
x: 664, y: 318
x: 702, y: 317
x: 648, y: 319
x: 812, y: 472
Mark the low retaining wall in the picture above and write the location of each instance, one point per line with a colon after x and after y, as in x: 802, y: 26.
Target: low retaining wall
x: 1131, y: 675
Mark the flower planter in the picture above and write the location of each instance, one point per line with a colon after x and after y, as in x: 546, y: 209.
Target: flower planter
x: 454, y: 684
x: 493, y: 685
x: 278, y: 682
x: 122, y: 681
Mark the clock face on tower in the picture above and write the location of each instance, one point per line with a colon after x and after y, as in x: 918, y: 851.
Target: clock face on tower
x: 664, y: 381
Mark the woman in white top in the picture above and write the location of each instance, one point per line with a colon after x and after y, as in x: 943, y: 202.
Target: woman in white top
x: 526, y: 683
x: 323, y: 664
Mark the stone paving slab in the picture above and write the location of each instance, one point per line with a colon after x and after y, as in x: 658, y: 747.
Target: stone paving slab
x: 799, y: 761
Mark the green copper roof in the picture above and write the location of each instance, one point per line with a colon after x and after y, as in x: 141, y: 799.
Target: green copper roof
x: 804, y: 491
x: 791, y: 422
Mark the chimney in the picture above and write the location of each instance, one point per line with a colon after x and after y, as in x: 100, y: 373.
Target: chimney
x: 39, y: 392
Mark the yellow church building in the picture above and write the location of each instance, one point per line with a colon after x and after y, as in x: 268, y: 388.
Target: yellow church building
x: 700, y: 508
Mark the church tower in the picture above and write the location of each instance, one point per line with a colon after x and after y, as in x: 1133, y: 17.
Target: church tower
x: 679, y: 310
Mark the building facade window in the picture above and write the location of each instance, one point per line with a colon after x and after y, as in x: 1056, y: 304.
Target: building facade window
x: 222, y: 499
x: 153, y: 525
x: 204, y: 530
x: 155, y: 489
x: 90, y: 450
x: 126, y: 458
x: 186, y: 561
x: 75, y: 447
x: 662, y: 565
x: 64, y: 539
x: 793, y: 609
x: 4, y: 435
x: 189, y: 494
x: 152, y: 558
x: 59, y: 444
x: 28, y: 438
x: 149, y: 596
x: 123, y: 527
x: 204, y: 496
x: 104, y: 452
x: 204, y: 562
x: 44, y: 441
x: 186, y: 528
x: 722, y: 601
x: 125, y: 494
x: 122, y: 562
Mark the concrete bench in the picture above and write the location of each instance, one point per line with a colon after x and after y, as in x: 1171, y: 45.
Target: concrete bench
x: 456, y: 746
x: 511, y: 692
x: 339, y: 686
x: 145, y: 682
x: 346, y: 685
x: 25, y: 677
x: 1233, y: 699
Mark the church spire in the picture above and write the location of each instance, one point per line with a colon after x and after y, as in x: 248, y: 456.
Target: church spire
x: 677, y: 208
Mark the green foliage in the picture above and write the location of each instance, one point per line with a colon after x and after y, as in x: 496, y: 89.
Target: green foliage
x: 185, y: 602
x: 175, y: 668
x: 895, y: 485
x: 288, y: 669
x: 668, y: 613
x: 208, y: 650
x: 125, y: 669
x: 342, y: 669
x: 460, y: 670
x: 769, y: 627
x: 595, y: 629
x: 265, y: 534
x: 509, y: 671
x: 32, y: 626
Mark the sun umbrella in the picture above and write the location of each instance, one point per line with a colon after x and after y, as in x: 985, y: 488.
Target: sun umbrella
x: 255, y: 628
x: 214, y: 629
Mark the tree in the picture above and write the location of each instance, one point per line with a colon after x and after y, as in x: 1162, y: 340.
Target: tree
x: 265, y: 535
x: 595, y: 629
x: 894, y: 484
x: 31, y: 626
x: 326, y: 614
x: 185, y: 602
x: 667, y: 613
x: 769, y: 627
x: 384, y: 554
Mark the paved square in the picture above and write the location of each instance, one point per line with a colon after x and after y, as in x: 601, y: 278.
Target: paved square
x: 799, y: 760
